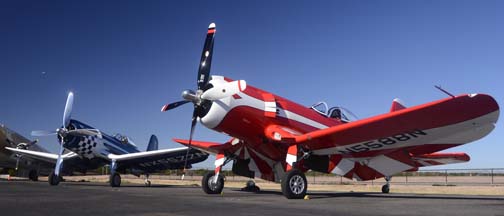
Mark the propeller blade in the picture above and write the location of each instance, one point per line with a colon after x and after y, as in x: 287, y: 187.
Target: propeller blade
x: 32, y: 143
x: 43, y: 133
x: 59, y: 162
x: 206, y: 57
x: 68, y: 110
x: 220, y: 91
x: 84, y: 132
x: 173, y: 105
x: 193, y: 126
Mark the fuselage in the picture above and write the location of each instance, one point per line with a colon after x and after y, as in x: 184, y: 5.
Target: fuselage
x: 99, y: 145
x: 245, y: 116
x: 248, y: 114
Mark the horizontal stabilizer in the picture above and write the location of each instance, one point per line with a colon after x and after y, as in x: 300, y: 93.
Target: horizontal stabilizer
x: 440, y: 158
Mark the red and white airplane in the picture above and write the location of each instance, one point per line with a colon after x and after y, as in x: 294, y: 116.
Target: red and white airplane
x: 278, y: 140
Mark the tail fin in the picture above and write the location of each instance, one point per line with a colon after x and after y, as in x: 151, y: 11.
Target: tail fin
x: 153, y: 143
x: 397, y: 105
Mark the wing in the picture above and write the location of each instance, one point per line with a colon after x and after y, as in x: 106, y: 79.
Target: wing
x: 209, y: 147
x: 159, y: 159
x: 402, y: 140
x: 427, y: 128
x: 43, y: 156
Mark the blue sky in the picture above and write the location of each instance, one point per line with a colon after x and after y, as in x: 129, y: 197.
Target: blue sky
x: 125, y: 59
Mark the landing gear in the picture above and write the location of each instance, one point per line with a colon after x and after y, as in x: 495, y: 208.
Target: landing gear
x: 115, y: 180
x: 33, y: 175
x: 294, y: 184
x: 251, y: 187
x: 386, y: 188
x: 54, y: 179
x: 210, y: 186
x: 147, y: 181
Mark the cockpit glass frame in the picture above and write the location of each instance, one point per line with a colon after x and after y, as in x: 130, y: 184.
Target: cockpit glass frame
x: 320, y: 107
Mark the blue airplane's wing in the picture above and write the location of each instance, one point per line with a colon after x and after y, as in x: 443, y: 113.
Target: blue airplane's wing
x: 158, y: 160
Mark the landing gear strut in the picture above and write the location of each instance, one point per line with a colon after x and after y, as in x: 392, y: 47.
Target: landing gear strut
x: 294, y: 184
x: 210, y: 186
x: 54, y: 179
x: 115, y: 178
x: 386, y: 188
x: 147, y: 181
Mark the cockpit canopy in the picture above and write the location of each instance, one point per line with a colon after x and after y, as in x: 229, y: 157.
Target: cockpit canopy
x: 123, y: 139
x: 340, y: 113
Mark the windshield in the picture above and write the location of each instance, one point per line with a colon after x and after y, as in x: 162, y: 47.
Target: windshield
x: 123, y: 139
x: 320, y: 107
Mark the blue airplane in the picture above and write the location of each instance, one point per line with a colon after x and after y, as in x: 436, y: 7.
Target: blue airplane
x: 90, y: 148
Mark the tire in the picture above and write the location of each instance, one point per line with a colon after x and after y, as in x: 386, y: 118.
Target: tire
x: 53, y: 179
x: 385, y: 189
x: 33, y: 175
x: 115, y: 180
x: 209, y: 187
x: 147, y: 183
x: 294, y: 184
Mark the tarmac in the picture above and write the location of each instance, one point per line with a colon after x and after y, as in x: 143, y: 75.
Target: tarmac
x: 89, y: 198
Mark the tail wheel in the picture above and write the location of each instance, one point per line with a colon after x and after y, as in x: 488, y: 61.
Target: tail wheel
x: 54, y: 179
x: 294, y: 184
x: 385, y: 188
x: 210, y: 186
x: 115, y: 180
x: 33, y: 175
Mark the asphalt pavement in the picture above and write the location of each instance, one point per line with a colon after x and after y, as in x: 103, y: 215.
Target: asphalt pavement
x: 85, y: 198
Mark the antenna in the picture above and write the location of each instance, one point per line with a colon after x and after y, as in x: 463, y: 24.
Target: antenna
x: 444, y: 91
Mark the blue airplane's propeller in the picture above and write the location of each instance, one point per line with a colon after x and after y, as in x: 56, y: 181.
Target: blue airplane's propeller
x: 68, y: 110
x: 62, y: 133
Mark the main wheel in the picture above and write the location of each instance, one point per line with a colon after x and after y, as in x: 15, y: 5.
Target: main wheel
x: 294, y: 184
x: 385, y: 188
x: 54, y: 179
x: 115, y: 180
x: 33, y: 175
x: 210, y: 186
x: 147, y: 183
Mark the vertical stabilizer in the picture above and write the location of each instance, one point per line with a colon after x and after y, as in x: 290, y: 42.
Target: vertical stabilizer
x: 153, y: 143
x: 397, y: 104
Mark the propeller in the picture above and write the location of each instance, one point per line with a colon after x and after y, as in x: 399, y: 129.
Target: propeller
x: 206, y: 92
x: 64, y: 131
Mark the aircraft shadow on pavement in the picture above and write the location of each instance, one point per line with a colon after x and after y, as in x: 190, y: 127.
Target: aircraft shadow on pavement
x: 326, y: 195
x: 323, y: 195
x: 106, y: 185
